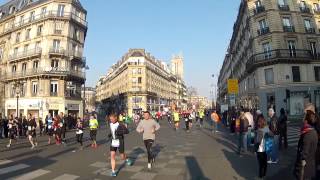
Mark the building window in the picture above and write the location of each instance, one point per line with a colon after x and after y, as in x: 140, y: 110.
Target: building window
x: 39, y: 30
x: 18, y: 37
x: 1, y: 53
x: 12, y: 9
x: 317, y: 73
x: 54, y: 88
x: 282, y: 3
x: 296, y: 74
x: 58, y: 28
x: 25, y: 48
x: 308, y: 26
x: 14, y: 68
x: 35, y: 64
x: 55, y: 63
x: 34, y: 88
x: 76, y: 34
x: 139, y: 71
x: 24, y: 67
x: 37, y: 45
x: 28, y: 34
x: 258, y: 4
x: 15, y: 51
x: 313, y: 49
x: 61, y: 10
x: 32, y: 16
x: 139, y: 80
x: 267, y: 50
x: 43, y: 11
x: 292, y: 48
x: 287, y: 25
x: 316, y: 7
x: 56, y: 45
x: 269, y: 76
x: 21, y: 20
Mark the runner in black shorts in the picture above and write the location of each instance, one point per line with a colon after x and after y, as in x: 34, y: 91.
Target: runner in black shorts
x: 117, y: 132
x: 32, y: 125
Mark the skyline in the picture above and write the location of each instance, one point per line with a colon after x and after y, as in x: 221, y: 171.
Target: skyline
x: 201, y: 31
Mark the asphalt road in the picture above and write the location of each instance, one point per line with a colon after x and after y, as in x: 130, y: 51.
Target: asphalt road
x: 198, y: 154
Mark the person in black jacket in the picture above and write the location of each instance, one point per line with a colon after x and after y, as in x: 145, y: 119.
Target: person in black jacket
x: 1, y: 125
x: 283, y: 129
x: 117, y: 132
x: 305, y: 166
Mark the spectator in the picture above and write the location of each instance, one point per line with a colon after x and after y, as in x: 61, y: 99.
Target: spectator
x: 305, y: 166
x: 274, y: 128
x: 5, y: 127
x: 283, y: 129
x: 243, y: 133
x: 260, y: 145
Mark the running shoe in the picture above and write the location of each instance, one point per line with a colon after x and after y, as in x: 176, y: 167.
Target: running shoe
x: 113, y: 174
x: 149, y: 166
x: 128, y: 162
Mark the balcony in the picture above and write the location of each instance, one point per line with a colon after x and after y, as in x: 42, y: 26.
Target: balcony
x: 284, y: 7
x: 288, y: 29
x: 25, y: 54
x: 305, y: 9
x: 310, y: 30
x: 77, y: 55
x: 258, y: 9
x: 54, y: 94
x: 67, y: 72
x: 281, y: 56
x: 57, y: 51
x: 263, y: 31
x: 43, y: 16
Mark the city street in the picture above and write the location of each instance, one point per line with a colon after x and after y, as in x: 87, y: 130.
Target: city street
x: 180, y: 155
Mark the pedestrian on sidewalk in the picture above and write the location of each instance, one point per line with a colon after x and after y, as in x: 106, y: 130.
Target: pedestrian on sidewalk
x: 260, y: 150
x: 79, y: 132
x: 283, y: 119
x: 1, y: 125
x: 274, y: 128
x: 32, y: 135
x: 117, y: 132
x: 148, y: 127
x: 215, y: 120
x: 49, y: 127
x: 64, y: 123
x: 305, y: 166
x: 243, y: 133
x: 93, y: 125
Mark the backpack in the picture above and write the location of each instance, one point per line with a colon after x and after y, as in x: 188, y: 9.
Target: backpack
x: 268, y: 143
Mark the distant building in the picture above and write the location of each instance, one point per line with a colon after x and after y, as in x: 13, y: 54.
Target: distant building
x: 177, y: 66
x: 89, y: 95
x: 274, y: 54
x: 199, y: 102
x: 139, y: 82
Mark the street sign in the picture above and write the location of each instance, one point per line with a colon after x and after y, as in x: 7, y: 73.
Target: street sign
x: 233, y: 86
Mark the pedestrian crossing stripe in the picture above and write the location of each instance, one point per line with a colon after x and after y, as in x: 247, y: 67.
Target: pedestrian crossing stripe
x: 32, y: 175
x: 4, y: 162
x: 13, y: 168
x: 66, y: 177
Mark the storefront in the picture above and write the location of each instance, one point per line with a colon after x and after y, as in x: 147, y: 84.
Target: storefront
x: 73, y: 109
x: 296, y: 102
x: 317, y: 100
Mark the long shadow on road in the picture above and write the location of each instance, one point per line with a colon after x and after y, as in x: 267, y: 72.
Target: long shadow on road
x: 194, y: 169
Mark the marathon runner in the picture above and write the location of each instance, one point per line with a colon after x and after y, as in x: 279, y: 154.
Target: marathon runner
x: 117, y: 132
x: 32, y: 135
x: 12, y: 130
x: 148, y: 127
x: 93, y: 125
x: 49, y: 124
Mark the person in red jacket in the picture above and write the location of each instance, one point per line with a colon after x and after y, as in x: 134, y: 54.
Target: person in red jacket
x: 57, y: 129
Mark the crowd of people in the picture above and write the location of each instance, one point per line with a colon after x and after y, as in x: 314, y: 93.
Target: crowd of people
x: 268, y: 134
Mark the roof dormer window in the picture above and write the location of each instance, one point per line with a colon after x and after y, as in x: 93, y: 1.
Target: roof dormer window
x: 12, y: 9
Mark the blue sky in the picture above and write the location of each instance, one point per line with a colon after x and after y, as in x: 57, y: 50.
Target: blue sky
x: 201, y: 29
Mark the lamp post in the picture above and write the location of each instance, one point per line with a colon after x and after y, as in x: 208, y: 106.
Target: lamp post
x: 17, y: 87
x: 86, y: 67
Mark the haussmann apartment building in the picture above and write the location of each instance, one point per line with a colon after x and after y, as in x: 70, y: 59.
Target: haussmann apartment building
x: 41, y: 56
x: 274, y: 52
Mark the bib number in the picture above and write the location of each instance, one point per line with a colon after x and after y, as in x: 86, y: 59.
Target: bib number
x: 115, y: 143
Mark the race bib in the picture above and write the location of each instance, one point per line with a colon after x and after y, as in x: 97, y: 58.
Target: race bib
x: 186, y: 119
x: 10, y: 126
x: 61, y: 125
x: 49, y: 127
x: 29, y: 128
x: 115, y: 143
x: 79, y: 131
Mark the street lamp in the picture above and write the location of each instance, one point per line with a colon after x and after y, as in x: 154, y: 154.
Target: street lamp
x: 17, y: 87
x: 86, y: 67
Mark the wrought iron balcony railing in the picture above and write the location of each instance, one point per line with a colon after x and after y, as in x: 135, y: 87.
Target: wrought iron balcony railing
x: 25, y: 54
